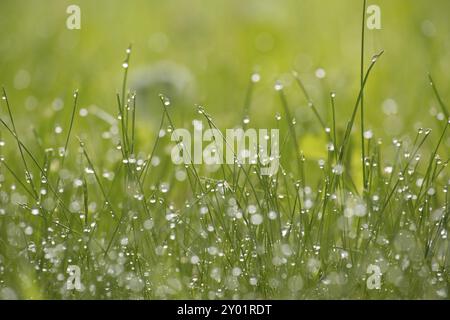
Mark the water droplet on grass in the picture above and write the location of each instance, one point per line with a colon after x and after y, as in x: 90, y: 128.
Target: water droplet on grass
x: 256, y: 219
x: 338, y: 169
x: 236, y: 271
x: 164, y: 187
x: 278, y: 86
x: 195, y: 260
x: 83, y: 112
x: 148, y: 224
x: 320, y: 73
x: 213, y: 250
x: 58, y: 129
x: 28, y: 231
x: 255, y: 77
x: 388, y: 169
x: 368, y: 134
x: 272, y: 215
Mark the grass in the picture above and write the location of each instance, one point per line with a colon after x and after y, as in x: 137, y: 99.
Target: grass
x: 140, y: 227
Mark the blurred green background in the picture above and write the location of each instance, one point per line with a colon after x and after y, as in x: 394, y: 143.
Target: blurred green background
x: 203, y: 52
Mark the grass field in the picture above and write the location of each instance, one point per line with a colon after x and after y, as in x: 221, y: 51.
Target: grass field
x: 359, y: 208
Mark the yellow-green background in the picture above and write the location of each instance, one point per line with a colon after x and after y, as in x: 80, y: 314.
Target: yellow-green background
x: 218, y: 44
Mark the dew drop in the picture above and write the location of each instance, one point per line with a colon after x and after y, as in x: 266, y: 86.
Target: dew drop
x: 148, y: 224
x: 368, y: 134
x: 272, y: 215
x: 320, y: 73
x: 195, y: 260
x: 278, y: 86
x: 164, y: 187
x: 256, y: 219
x: 255, y: 77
